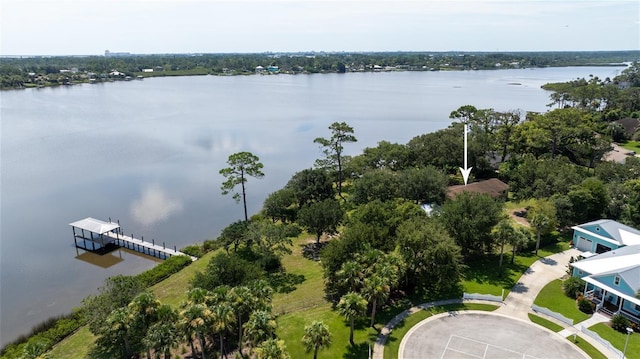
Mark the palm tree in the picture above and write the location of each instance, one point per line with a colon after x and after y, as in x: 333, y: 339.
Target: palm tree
x: 539, y: 221
x: 351, y: 274
x: 376, y: 290
x: 272, y: 349
x: 351, y: 306
x: 197, y: 295
x: 196, y: 319
x: 222, y: 320
x: 260, y: 327
x: 503, y: 232
x: 143, y: 309
x: 242, y: 300
x: 521, y: 236
x: 163, y: 335
x: 263, y: 294
x: 316, y: 336
x: 119, y: 327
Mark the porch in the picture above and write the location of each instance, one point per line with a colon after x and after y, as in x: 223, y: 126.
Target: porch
x: 605, y: 305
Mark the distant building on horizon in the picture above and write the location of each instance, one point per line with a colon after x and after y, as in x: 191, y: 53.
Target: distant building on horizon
x: 108, y: 53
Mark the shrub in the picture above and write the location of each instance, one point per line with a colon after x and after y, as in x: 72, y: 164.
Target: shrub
x: 573, y: 287
x: 193, y: 250
x: 585, y: 305
x: 163, y: 270
x: 620, y: 323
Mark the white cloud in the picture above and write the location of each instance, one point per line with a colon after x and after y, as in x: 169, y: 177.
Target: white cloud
x: 154, y: 206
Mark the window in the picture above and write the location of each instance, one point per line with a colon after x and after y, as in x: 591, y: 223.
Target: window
x: 638, y: 307
x: 616, y: 280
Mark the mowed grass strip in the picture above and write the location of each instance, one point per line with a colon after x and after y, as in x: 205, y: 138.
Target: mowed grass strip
x: 618, y: 339
x: 552, y: 297
x: 591, y: 351
x: 545, y: 323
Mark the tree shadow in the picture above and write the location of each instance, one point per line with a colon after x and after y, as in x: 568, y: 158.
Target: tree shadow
x: 358, y: 351
x: 283, y: 282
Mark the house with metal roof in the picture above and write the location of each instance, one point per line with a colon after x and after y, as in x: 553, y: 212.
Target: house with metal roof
x: 613, y: 281
x: 603, y: 235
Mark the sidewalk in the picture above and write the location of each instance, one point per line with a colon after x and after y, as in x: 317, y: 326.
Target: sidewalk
x: 518, y: 302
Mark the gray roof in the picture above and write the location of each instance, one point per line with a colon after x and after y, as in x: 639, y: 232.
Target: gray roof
x: 621, y: 233
x: 95, y: 225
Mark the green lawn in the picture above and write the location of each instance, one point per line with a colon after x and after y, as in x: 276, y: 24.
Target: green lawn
x: 545, y: 323
x: 618, y: 339
x: 484, y: 276
x: 552, y: 297
x: 592, y: 352
x: 631, y: 146
x: 173, y: 290
x: 309, y: 293
x: 75, y: 346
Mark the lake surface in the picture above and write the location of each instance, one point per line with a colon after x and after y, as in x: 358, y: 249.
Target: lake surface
x: 148, y: 153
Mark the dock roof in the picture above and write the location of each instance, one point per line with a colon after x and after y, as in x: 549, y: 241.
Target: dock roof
x: 95, y: 225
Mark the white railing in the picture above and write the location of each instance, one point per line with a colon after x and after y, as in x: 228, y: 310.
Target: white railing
x: 552, y: 314
x: 604, y: 342
x: 478, y: 296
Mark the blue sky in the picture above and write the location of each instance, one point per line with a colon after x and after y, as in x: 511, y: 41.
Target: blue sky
x: 88, y: 27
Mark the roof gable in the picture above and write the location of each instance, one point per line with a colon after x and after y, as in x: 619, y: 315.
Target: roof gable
x: 95, y: 225
x: 624, y: 262
x: 620, y: 233
x: 627, y: 280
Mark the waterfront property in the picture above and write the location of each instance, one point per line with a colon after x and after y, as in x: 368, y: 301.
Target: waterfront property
x: 103, y: 236
x: 603, y: 235
x: 613, y: 281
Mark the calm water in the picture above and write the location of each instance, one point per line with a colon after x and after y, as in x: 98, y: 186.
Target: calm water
x: 148, y: 153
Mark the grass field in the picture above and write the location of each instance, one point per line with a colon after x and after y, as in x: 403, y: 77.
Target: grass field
x: 618, y: 339
x: 552, y: 297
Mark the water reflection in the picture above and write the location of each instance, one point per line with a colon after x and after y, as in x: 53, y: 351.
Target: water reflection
x: 154, y: 205
x: 104, y: 261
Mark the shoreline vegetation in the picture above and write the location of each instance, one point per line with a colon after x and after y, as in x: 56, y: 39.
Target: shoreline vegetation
x: 382, y: 257
x: 18, y: 72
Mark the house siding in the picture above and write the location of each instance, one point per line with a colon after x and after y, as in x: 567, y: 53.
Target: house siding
x: 576, y: 273
x: 597, y: 229
x: 594, y: 241
x: 622, y: 286
x: 631, y: 308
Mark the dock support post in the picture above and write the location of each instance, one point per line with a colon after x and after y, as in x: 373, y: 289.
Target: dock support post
x: 163, y: 245
x: 142, y: 238
x: 153, y: 241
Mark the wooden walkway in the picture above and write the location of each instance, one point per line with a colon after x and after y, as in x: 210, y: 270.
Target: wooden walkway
x: 144, y: 247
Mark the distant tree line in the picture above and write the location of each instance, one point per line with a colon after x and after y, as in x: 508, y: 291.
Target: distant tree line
x: 19, y: 72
